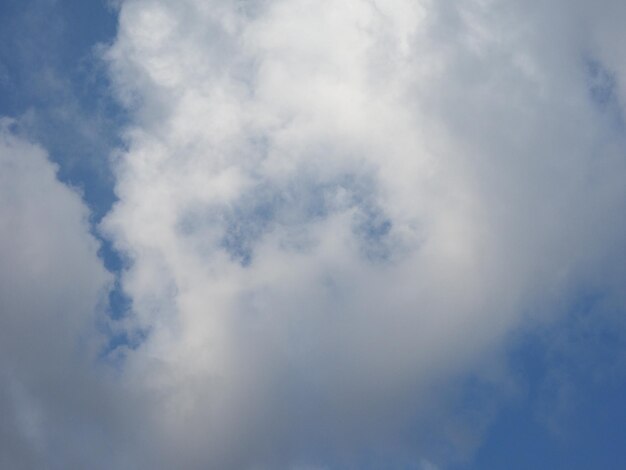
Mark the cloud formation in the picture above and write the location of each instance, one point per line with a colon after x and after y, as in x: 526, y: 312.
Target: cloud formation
x: 332, y: 209
x: 334, y: 214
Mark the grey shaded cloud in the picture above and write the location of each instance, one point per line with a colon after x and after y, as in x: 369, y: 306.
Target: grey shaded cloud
x: 52, y: 286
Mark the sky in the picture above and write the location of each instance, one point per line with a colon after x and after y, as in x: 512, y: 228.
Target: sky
x: 296, y: 234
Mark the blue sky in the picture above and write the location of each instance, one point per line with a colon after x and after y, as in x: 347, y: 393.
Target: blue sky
x: 280, y: 236
x: 51, y: 74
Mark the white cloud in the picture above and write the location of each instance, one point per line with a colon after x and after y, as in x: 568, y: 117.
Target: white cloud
x: 334, y: 208
x: 335, y: 211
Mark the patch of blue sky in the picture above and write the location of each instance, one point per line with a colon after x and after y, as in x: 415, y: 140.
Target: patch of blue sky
x: 569, y: 412
x: 302, y: 201
x: 52, y: 81
x: 590, y: 436
x: 119, y: 343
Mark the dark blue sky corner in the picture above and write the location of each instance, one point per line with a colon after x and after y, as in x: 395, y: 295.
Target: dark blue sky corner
x: 54, y: 83
x: 571, y: 381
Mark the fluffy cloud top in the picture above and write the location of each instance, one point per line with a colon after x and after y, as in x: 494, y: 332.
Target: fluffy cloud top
x: 334, y: 208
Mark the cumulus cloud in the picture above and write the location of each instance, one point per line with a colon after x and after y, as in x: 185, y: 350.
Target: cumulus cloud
x: 333, y: 209
x: 333, y: 214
